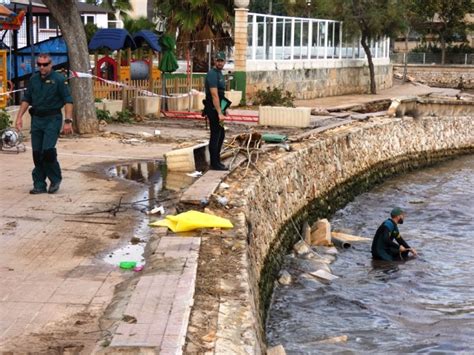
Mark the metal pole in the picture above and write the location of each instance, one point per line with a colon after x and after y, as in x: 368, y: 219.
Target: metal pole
x: 210, y: 55
x: 30, y: 35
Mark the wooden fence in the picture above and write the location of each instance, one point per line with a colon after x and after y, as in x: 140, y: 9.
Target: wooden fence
x: 134, y: 88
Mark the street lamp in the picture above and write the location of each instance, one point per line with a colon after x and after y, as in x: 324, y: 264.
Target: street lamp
x: 308, y: 6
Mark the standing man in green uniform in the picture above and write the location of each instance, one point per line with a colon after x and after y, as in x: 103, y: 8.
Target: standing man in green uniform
x: 47, y: 93
x: 215, y: 93
x: 388, y: 244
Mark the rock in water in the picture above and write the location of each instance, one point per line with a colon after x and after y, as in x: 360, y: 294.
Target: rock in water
x: 321, y: 233
x: 285, y: 278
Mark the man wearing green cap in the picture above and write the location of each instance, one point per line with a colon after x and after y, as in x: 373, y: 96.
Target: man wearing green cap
x: 388, y: 244
x: 215, y: 94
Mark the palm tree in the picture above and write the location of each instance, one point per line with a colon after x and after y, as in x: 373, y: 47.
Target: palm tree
x: 135, y: 25
x: 197, y: 22
x: 121, y: 7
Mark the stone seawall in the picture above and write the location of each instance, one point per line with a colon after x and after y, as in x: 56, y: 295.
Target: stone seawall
x: 444, y: 76
x: 314, y: 83
x: 321, y: 174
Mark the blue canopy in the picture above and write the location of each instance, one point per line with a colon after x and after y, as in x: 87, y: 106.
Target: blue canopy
x: 112, y: 38
x: 149, y: 38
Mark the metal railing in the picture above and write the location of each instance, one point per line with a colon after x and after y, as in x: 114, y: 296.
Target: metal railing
x: 432, y: 58
x: 273, y: 37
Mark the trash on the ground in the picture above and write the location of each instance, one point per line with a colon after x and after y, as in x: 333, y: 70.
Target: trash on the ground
x: 222, y: 200
x: 192, y: 220
x: 129, y: 319
x: 138, y: 268
x: 127, y: 265
x: 195, y: 174
x: 274, y: 138
x: 135, y: 240
x: 209, y: 211
x: 155, y: 210
x: 132, y: 141
x: 223, y: 185
x: 204, y: 202
x: 284, y: 146
x: 156, y: 132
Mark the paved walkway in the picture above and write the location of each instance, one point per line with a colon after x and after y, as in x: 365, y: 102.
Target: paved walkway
x: 407, y: 89
x: 54, y: 280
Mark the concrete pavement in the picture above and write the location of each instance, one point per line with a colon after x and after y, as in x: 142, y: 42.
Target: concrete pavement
x: 55, y: 283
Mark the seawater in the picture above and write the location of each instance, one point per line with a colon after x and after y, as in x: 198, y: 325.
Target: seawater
x: 425, y: 305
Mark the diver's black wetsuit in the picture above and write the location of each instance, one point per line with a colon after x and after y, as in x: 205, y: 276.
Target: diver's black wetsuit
x: 383, y: 245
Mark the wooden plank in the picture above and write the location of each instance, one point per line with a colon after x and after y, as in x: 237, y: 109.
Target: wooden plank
x: 349, y: 238
x: 203, y: 188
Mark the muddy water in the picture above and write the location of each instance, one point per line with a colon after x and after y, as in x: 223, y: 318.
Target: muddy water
x: 425, y: 305
x: 160, y: 189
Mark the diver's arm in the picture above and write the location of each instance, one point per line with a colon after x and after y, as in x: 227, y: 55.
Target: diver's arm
x: 404, y: 246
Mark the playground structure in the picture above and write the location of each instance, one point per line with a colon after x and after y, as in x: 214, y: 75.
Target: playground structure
x: 134, y: 56
x: 9, y: 20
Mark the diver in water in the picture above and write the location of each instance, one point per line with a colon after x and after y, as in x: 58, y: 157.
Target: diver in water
x: 388, y: 245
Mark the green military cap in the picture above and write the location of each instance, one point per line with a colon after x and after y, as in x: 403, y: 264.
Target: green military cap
x: 397, y: 211
x: 220, y: 56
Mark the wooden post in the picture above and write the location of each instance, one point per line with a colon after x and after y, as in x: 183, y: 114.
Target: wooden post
x: 150, y: 70
x: 119, y: 64
x: 96, y: 59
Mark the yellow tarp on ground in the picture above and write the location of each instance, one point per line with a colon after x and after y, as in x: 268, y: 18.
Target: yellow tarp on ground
x: 190, y: 220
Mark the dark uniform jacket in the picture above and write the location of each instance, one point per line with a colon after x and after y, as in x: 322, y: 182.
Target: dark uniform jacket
x: 214, y: 79
x: 47, y: 95
x: 384, y: 246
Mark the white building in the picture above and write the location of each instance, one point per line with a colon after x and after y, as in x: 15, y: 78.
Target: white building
x: 45, y: 27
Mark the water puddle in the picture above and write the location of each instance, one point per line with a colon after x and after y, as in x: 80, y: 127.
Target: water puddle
x: 159, y: 186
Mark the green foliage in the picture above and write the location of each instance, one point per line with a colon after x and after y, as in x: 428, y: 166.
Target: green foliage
x: 90, y: 29
x: 452, y: 49
x: 5, y: 121
x: 125, y: 116
x: 135, y: 25
x: 274, y: 97
x: 445, y: 20
x: 199, y: 21
x: 103, y: 115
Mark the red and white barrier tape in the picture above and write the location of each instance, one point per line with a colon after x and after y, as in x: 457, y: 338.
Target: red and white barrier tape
x: 79, y: 75
x: 11, y: 92
x: 76, y: 74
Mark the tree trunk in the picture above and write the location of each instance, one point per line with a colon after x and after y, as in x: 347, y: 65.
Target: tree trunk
x: 405, y: 62
x: 365, y: 45
x: 67, y: 16
x: 443, y: 50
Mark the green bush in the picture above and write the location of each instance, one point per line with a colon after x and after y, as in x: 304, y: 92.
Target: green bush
x: 274, y: 97
x: 125, y: 116
x: 5, y: 121
x: 103, y: 115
